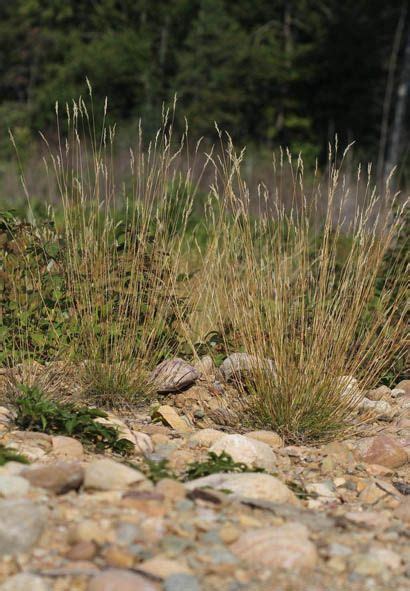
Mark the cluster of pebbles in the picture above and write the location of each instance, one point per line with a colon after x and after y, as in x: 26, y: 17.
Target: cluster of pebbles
x: 331, y: 517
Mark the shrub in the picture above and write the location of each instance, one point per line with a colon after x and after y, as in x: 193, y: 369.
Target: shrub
x: 34, y: 304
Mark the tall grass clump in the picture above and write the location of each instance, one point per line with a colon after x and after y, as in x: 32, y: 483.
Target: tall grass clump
x: 122, y: 243
x: 296, y: 291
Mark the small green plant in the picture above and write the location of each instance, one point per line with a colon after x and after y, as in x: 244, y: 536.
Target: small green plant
x: 300, y: 491
x: 216, y: 463
x: 9, y: 455
x: 36, y: 412
x: 158, y: 470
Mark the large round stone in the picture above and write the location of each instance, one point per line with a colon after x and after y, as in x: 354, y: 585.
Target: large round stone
x: 286, y: 547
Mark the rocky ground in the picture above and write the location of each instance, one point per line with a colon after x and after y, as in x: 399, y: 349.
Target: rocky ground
x: 333, y: 517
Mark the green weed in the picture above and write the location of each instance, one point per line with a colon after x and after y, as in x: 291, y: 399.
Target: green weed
x: 9, y: 455
x: 215, y: 464
x: 158, y: 470
x: 36, y: 412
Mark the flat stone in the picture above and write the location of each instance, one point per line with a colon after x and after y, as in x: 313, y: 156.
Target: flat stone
x: 120, y: 580
x: 21, y: 524
x: 170, y: 416
x: 381, y: 449
x: 59, y: 478
x: 106, y: 474
x: 247, y: 485
x: 174, y: 375
x: 371, y: 494
x: 13, y: 486
x: 67, y: 448
x: 162, y: 567
x: 251, y: 452
x: 286, y: 547
x: 24, y: 582
x: 269, y: 437
x: 111, y: 420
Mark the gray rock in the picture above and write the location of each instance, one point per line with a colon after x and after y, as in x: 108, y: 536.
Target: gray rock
x: 13, y: 486
x: 174, y: 375
x: 247, y: 485
x: 379, y: 407
x: 24, y: 582
x: 250, y: 451
x: 181, y: 581
x: 107, y: 474
x: 21, y: 524
x: 238, y: 366
x: 384, y: 450
x: 59, y: 478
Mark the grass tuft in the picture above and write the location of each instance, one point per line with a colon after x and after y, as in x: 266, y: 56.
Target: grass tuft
x: 295, y: 287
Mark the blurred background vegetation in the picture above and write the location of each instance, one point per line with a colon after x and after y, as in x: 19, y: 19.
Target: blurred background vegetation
x: 270, y: 72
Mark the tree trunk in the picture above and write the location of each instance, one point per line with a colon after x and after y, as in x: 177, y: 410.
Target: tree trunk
x: 403, y: 91
x: 381, y: 160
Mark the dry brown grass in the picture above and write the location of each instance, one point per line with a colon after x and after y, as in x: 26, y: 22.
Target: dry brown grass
x: 282, y: 292
x: 271, y: 279
x: 123, y: 252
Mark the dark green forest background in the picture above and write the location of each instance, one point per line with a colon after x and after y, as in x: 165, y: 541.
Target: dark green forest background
x: 271, y: 72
